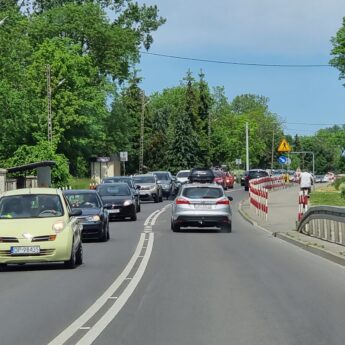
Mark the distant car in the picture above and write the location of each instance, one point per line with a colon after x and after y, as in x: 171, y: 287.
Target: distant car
x: 229, y: 180
x: 129, y: 180
x: 201, y: 205
x: 150, y: 189
x: 94, y: 217
x: 167, y: 181
x: 37, y: 225
x: 182, y: 176
x: 118, y: 200
x: 251, y: 174
x: 201, y: 175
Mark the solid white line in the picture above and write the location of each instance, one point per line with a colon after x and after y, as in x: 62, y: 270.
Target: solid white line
x: 104, y: 321
x: 87, y: 328
x: 94, y: 308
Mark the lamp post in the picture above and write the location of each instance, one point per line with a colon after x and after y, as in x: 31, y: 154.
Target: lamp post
x: 49, y: 101
x: 142, y: 132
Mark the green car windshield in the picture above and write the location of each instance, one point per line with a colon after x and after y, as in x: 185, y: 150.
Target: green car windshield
x: 30, y: 206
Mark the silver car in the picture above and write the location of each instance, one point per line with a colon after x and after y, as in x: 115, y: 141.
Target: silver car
x: 150, y: 189
x: 201, y: 205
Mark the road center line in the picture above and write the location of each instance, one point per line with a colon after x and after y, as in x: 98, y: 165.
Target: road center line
x: 81, y: 321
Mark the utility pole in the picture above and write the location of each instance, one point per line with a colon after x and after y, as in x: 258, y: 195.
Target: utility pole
x: 272, y: 151
x: 247, y: 147
x: 142, y: 127
x: 49, y: 98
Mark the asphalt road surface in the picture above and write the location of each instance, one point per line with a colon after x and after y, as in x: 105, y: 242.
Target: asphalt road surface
x: 151, y: 286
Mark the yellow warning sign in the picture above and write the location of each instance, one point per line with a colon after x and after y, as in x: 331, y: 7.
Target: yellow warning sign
x: 284, y: 146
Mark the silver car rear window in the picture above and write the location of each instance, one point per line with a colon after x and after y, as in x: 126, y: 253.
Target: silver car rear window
x: 202, y: 193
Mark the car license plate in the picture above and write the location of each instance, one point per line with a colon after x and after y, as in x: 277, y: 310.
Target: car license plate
x: 114, y: 211
x: 25, y: 250
x: 203, y: 207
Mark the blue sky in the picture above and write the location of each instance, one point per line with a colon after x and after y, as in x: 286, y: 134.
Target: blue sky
x: 253, y: 31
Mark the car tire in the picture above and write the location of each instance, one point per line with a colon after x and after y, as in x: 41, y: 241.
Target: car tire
x: 3, y: 267
x: 226, y: 227
x: 104, y: 235
x: 134, y: 216
x: 161, y: 198
x: 139, y: 207
x: 72, y: 262
x: 157, y: 198
x: 108, y: 232
x: 175, y: 227
x: 246, y: 189
x: 79, y: 258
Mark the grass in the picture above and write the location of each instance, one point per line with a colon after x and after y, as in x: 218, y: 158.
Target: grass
x: 80, y: 183
x: 326, y: 195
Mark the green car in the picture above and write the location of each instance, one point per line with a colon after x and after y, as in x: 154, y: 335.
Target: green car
x: 37, y: 225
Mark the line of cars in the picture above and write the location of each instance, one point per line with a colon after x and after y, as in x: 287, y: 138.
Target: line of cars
x: 49, y: 225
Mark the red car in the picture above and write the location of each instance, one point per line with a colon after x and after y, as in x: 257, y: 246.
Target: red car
x: 229, y: 180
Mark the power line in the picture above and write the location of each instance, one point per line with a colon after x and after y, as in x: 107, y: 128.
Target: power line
x: 237, y: 63
x: 314, y: 124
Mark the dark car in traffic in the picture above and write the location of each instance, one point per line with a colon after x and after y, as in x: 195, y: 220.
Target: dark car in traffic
x: 251, y: 174
x: 118, y: 199
x: 94, y: 217
x: 129, y: 180
x: 167, y: 181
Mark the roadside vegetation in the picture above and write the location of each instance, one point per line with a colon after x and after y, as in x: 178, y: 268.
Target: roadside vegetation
x: 92, y: 50
x: 330, y: 194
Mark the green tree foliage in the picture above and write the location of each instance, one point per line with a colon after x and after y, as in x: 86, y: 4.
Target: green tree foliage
x: 43, y: 151
x: 338, y: 51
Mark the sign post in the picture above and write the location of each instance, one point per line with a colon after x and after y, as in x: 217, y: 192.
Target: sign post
x: 124, y: 159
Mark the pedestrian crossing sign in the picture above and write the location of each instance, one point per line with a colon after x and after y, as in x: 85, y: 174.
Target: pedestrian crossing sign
x: 284, y: 146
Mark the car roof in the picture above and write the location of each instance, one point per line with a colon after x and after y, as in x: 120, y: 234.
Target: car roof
x: 28, y: 191
x: 105, y: 185
x: 203, y: 185
x: 117, y: 177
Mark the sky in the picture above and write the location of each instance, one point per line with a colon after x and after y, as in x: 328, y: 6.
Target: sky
x: 254, y: 31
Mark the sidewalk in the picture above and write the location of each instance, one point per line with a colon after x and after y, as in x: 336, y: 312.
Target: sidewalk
x: 282, y: 221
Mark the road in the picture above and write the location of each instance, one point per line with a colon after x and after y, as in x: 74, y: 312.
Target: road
x: 242, y: 288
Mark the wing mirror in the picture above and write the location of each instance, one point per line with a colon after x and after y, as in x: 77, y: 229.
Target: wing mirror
x: 230, y: 198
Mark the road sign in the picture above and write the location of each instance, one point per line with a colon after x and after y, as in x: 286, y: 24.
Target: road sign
x: 284, y: 146
x: 288, y: 161
x: 123, y: 156
x: 238, y: 161
x: 282, y: 159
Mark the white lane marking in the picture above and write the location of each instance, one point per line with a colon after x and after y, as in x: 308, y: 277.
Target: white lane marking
x: 104, y: 321
x: 113, y: 297
x: 93, y: 309
x: 87, y: 328
x: 68, y: 332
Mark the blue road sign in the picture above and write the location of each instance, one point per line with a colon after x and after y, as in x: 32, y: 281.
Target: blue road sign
x: 282, y: 160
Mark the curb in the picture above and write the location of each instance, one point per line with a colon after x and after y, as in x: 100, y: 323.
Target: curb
x: 306, y: 246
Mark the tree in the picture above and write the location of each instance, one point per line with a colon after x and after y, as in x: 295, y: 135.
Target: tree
x: 338, y: 51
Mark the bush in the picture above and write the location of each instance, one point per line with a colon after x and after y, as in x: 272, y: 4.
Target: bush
x: 338, y: 182
x: 342, y: 189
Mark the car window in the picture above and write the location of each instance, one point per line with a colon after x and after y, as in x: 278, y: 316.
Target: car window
x: 163, y: 176
x: 144, y: 179
x: 83, y: 200
x: 119, y: 179
x: 117, y: 190
x: 202, y: 193
x: 183, y: 174
x: 31, y: 206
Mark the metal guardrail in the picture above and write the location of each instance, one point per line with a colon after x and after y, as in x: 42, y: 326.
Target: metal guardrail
x: 324, y: 222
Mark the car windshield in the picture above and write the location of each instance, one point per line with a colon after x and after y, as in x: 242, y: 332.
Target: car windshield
x: 163, y: 176
x: 114, y: 190
x: 83, y: 200
x: 30, y: 206
x: 129, y: 181
x: 202, y: 193
x: 144, y: 179
x: 183, y: 174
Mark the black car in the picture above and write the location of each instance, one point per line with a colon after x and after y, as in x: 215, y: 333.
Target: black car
x: 119, y: 200
x: 201, y: 175
x: 94, y: 217
x: 129, y: 180
x: 251, y: 174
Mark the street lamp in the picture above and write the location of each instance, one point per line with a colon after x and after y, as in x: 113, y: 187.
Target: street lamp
x: 49, y: 98
x: 142, y: 127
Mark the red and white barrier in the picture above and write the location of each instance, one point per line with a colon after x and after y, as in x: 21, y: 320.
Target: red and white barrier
x: 303, y: 200
x: 259, y: 189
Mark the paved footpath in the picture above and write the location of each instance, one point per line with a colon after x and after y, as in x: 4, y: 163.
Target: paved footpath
x: 282, y: 223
